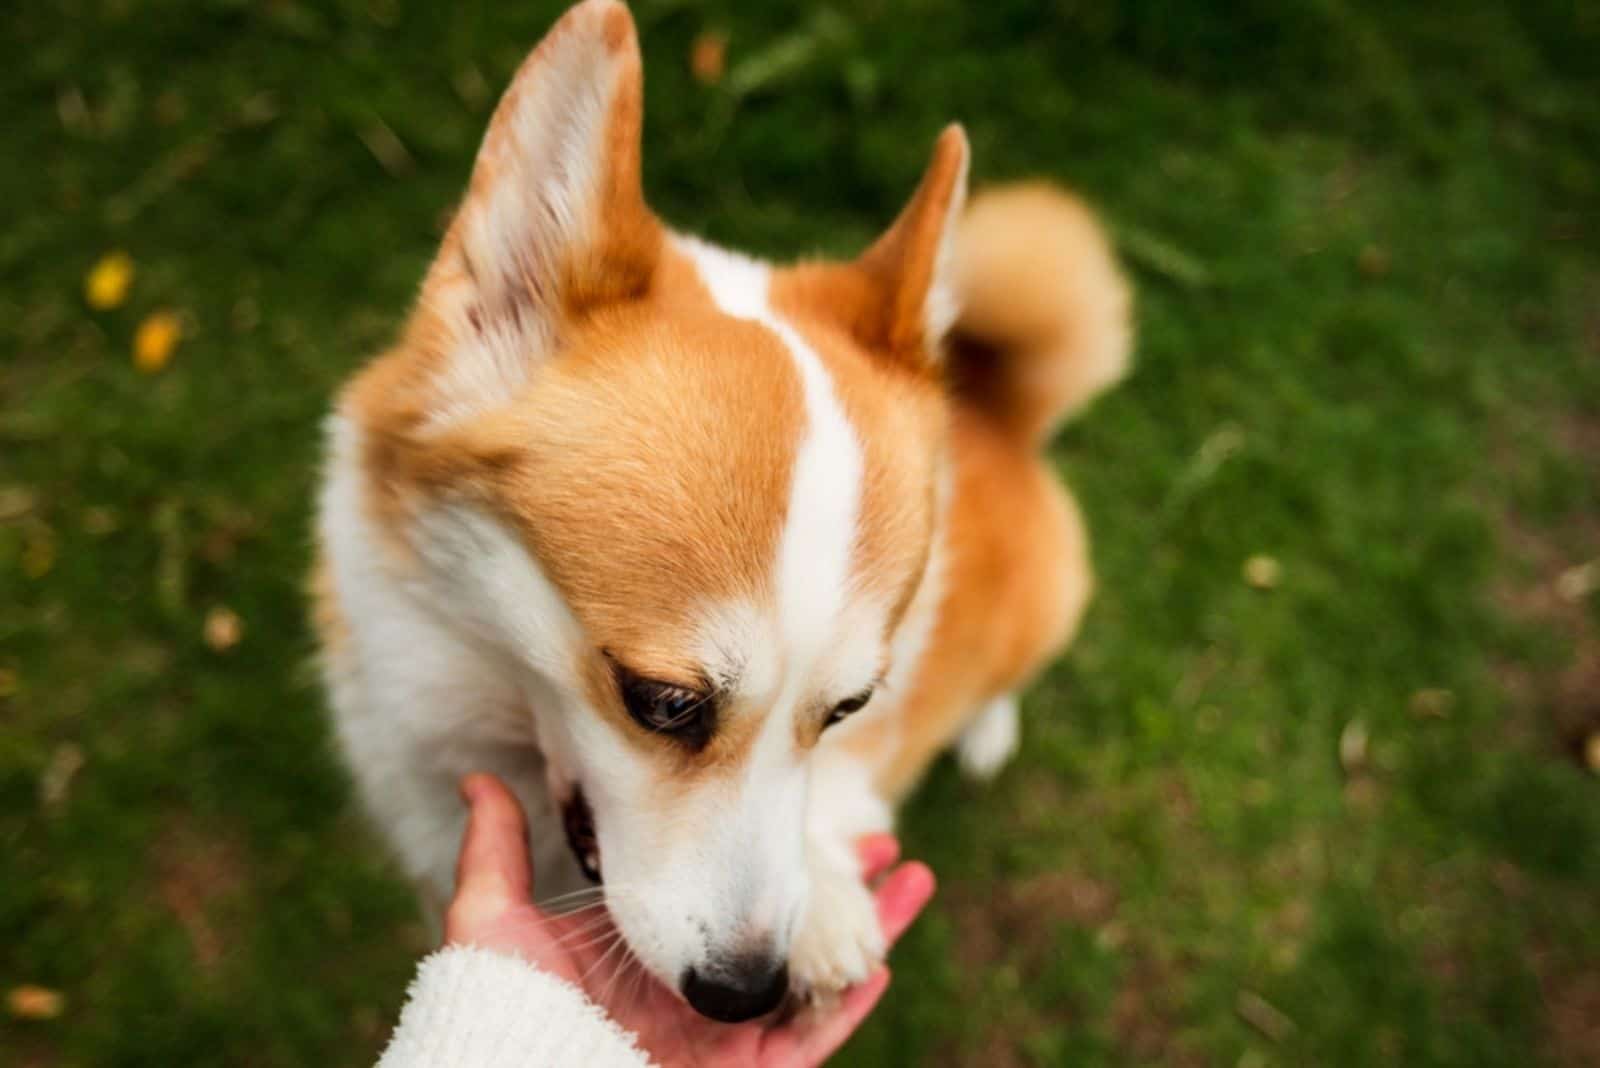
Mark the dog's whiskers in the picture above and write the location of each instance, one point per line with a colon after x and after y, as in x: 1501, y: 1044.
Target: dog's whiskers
x: 591, y: 920
x: 573, y: 908
x: 603, y: 938
x: 554, y: 907
x: 628, y: 964
x: 601, y: 960
x: 576, y: 941
x: 641, y: 980
x: 571, y: 895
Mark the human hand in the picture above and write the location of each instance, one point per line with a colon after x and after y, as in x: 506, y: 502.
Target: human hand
x: 493, y: 908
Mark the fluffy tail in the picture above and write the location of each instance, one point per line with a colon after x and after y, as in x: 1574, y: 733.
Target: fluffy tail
x: 1045, y: 321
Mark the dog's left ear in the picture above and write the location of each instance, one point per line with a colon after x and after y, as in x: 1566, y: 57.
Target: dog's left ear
x: 912, y: 267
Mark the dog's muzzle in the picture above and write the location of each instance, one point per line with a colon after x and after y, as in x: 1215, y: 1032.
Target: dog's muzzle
x: 579, y: 824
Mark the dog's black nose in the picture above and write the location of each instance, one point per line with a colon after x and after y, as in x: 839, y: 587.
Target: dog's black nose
x: 741, y: 990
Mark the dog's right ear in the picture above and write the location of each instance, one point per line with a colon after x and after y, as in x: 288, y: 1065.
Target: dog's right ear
x: 554, y: 221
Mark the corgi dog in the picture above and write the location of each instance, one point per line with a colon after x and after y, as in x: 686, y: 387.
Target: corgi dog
x: 706, y: 557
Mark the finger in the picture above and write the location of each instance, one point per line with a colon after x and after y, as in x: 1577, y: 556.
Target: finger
x: 901, y: 896
x: 877, y: 852
x: 824, y: 1036
x: 493, y: 871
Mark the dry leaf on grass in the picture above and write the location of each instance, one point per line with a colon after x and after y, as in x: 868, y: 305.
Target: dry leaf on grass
x: 386, y: 147
x: 708, y: 57
x: 98, y: 522
x: 223, y: 629
x: 15, y: 502
x: 1264, y: 1016
x: 28, y: 1002
x: 1263, y: 572
x: 1432, y: 704
x: 1353, y: 748
x: 56, y: 782
x: 1576, y: 583
x: 472, y: 87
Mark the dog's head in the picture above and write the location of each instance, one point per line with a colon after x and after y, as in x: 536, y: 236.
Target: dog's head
x: 691, y: 495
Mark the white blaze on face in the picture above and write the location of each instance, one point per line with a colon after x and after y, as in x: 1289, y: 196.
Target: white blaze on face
x: 813, y: 586
x: 740, y: 878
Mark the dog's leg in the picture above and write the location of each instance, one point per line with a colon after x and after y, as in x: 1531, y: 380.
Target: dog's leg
x: 421, y: 711
x: 990, y: 741
x: 838, y: 942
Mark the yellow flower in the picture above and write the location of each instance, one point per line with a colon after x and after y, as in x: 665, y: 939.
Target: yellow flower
x: 152, y: 346
x: 106, y: 285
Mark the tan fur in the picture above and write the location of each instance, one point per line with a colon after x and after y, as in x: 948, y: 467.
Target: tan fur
x: 635, y: 361
x: 1039, y: 286
x: 902, y: 263
x: 327, y: 618
x: 635, y: 550
x: 394, y: 397
x: 900, y: 415
x: 1017, y: 580
x: 688, y: 391
x: 1044, y: 325
x: 867, y: 320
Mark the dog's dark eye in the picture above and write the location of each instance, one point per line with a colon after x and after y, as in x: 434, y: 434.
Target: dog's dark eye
x: 847, y: 706
x: 664, y: 708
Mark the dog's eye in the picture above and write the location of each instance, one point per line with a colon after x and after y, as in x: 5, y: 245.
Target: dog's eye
x: 847, y: 706
x: 667, y: 709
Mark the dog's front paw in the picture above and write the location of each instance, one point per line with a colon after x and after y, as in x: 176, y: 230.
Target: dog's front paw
x: 839, y: 943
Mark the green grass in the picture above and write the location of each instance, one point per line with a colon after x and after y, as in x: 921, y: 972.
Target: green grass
x: 1365, y: 239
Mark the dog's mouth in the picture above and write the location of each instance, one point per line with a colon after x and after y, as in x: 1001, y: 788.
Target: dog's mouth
x: 579, y: 824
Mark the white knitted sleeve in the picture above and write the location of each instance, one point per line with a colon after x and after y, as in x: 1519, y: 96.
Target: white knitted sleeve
x: 475, y: 1008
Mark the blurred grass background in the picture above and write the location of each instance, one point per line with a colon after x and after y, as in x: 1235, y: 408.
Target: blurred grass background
x: 1316, y: 785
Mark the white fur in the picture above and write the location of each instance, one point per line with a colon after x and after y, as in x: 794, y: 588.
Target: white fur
x: 543, y: 160
x: 916, y: 628
x: 838, y: 941
x: 828, y: 631
x: 466, y: 664
x: 695, y: 881
x: 990, y: 740
x: 418, y: 699
x: 942, y: 306
x: 814, y: 585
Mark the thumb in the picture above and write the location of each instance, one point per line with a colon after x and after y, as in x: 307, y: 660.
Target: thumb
x: 493, y: 872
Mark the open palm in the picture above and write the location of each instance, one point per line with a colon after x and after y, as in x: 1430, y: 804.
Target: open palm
x: 493, y: 908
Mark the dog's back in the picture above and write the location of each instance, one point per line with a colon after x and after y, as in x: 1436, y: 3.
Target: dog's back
x: 1044, y: 328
